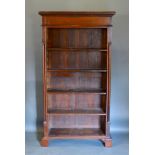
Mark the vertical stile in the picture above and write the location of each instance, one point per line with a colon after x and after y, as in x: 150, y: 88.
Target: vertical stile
x: 44, y: 30
x: 43, y: 63
x: 108, y: 82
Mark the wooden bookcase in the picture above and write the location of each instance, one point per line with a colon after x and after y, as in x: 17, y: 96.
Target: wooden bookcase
x: 76, y: 75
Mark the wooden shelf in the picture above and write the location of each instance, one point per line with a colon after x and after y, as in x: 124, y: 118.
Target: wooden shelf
x: 85, y: 133
x: 76, y: 49
x: 76, y: 91
x: 76, y: 112
x: 77, y: 70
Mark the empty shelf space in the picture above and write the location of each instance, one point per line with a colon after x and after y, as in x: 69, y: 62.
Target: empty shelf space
x: 76, y: 112
x: 77, y: 70
x: 76, y: 91
x: 76, y: 49
x: 76, y: 133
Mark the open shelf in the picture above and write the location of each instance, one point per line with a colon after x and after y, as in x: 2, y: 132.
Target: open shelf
x: 76, y: 112
x: 76, y: 91
x: 77, y: 60
x: 85, y: 133
x: 76, y: 49
x: 77, y: 70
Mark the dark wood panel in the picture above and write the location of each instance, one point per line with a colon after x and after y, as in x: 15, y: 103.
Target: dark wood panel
x: 76, y: 102
x: 76, y: 81
x: 75, y: 121
x: 78, y: 60
x: 77, y: 38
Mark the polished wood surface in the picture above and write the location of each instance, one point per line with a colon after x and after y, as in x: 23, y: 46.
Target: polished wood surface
x: 76, y: 75
x: 76, y: 13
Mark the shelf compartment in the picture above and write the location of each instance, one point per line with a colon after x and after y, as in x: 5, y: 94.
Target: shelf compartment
x: 71, y: 133
x: 77, y: 60
x: 76, y: 91
x: 77, y: 121
x: 76, y: 101
x: 77, y: 38
x: 76, y: 112
x: 77, y: 81
x: 77, y: 70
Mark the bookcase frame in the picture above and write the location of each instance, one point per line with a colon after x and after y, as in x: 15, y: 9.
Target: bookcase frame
x: 76, y: 75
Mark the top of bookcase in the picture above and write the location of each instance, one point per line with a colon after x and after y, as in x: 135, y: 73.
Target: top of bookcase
x: 76, y: 13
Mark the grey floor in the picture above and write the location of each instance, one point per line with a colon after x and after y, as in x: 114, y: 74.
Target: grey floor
x: 77, y: 147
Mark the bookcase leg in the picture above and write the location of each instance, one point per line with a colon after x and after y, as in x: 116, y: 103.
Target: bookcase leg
x: 44, y: 142
x: 108, y: 142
